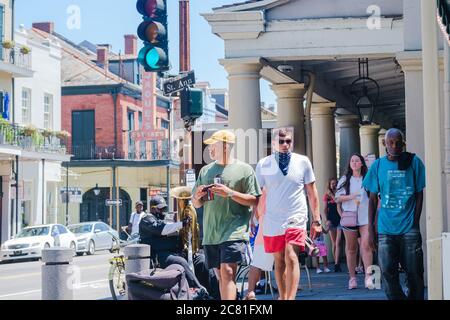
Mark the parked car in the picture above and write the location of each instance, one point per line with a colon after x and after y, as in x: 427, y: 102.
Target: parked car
x: 30, y: 241
x: 93, y: 236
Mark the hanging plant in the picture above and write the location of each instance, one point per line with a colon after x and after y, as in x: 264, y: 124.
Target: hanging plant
x: 29, y: 131
x: 8, y: 44
x: 47, y: 133
x: 62, y: 134
x: 25, y: 50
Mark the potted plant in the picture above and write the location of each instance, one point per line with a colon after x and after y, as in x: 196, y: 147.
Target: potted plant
x: 25, y: 50
x: 8, y: 44
x: 4, y: 125
x: 47, y: 133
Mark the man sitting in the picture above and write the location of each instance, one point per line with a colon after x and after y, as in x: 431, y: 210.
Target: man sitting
x: 164, y: 241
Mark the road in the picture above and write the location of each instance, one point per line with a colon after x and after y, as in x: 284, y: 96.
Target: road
x: 22, y: 280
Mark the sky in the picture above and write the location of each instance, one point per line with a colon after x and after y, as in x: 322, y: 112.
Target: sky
x: 107, y: 21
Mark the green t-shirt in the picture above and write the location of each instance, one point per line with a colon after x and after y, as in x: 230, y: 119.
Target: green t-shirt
x: 224, y: 219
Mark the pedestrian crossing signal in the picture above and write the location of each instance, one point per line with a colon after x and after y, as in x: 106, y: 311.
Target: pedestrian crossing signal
x: 154, y: 56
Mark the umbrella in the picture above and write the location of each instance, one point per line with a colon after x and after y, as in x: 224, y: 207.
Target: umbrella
x: 5, y: 104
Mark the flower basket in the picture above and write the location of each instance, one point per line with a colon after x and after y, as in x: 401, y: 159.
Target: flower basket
x: 8, y: 44
x: 62, y: 134
x: 47, y: 133
x: 29, y: 131
x: 25, y: 50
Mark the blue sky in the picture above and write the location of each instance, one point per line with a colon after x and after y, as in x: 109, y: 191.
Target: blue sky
x: 106, y: 21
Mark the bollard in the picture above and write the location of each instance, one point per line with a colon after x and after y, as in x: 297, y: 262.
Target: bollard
x: 57, y: 274
x: 137, y: 259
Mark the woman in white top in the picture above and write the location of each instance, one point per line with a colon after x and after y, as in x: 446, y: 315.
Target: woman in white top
x: 351, y: 196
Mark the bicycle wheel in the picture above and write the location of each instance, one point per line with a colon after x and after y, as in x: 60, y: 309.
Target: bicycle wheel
x: 117, y: 284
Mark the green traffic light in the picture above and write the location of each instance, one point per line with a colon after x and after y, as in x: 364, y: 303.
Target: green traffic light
x: 153, y: 58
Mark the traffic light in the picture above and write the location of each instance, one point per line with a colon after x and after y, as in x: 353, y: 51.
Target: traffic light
x: 191, y: 104
x: 154, y: 56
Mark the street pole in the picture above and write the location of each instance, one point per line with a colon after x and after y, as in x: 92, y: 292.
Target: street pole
x: 67, y: 194
x: 432, y: 128
x: 170, y: 158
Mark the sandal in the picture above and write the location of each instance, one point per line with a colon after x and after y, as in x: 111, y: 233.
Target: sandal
x: 352, y: 284
x: 250, y: 296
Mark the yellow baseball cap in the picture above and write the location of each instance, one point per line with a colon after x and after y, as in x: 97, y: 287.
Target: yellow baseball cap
x: 221, y: 136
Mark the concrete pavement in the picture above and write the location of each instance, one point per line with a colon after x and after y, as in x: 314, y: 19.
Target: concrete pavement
x: 22, y: 280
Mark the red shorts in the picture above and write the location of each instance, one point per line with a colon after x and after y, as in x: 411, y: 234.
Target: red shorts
x: 278, y: 243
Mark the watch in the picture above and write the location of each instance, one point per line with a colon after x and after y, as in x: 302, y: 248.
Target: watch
x: 318, y: 222
x: 230, y: 194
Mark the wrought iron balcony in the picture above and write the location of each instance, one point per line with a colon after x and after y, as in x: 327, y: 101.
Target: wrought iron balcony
x: 16, y: 60
x: 31, y: 139
x: 90, y: 151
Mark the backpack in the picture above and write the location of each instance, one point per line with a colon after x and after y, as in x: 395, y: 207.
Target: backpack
x: 159, y: 284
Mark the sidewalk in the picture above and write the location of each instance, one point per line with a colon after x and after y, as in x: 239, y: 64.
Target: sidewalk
x: 330, y: 286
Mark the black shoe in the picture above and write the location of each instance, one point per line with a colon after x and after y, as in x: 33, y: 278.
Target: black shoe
x: 337, y: 268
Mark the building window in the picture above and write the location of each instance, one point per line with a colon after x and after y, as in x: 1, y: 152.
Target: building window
x: 164, y: 124
x: 26, y: 106
x: 48, y: 111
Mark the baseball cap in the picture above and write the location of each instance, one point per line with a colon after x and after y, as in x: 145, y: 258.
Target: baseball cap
x: 158, y: 202
x: 139, y: 203
x: 221, y: 136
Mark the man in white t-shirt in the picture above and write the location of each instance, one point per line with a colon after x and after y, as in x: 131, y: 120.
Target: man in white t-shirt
x: 285, y: 177
x: 135, y: 219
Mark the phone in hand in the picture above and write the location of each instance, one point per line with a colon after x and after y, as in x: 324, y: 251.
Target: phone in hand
x: 209, y: 195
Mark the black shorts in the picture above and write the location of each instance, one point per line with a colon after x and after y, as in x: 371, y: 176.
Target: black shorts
x: 227, y: 252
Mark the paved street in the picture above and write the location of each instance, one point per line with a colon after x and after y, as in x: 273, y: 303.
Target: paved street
x: 22, y: 280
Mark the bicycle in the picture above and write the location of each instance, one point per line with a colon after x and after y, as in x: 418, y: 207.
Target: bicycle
x: 116, y: 275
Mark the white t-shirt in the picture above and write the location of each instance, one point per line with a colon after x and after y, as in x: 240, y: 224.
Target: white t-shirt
x: 363, y: 207
x: 135, y: 219
x: 286, y: 201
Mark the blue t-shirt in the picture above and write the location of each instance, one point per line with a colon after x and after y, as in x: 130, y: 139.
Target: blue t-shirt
x: 397, y: 190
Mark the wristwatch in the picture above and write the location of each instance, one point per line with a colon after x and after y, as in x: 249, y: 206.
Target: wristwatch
x: 230, y: 194
x: 318, y: 222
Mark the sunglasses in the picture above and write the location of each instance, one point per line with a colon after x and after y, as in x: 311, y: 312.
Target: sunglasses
x: 287, y: 141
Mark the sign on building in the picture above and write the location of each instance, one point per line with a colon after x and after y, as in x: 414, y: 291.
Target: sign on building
x: 71, y: 195
x: 190, y: 178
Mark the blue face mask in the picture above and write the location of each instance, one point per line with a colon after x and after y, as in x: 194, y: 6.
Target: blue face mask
x: 283, y: 160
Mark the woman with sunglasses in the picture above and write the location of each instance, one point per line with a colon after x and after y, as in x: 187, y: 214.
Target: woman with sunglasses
x: 354, y: 202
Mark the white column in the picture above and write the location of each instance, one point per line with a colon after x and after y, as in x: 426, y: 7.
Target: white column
x: 290, y: 111
x: 369, y: 139
x: 349, y: 140
x: 244, y: 105
x: 432, y: 135
x: 447, y: 128
x: 381, y: 147
x: 323, y: 150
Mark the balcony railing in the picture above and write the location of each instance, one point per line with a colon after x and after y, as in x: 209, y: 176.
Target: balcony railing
x: 16, y: 57
x: 89, y: 151
x: 30, y: 139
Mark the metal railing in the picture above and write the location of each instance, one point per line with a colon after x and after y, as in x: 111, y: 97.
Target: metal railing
x: 30, y: 139
x: 16, y: 56
x: 90, y: 151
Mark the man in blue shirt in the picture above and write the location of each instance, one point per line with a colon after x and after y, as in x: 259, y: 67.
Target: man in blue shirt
x: 398, y: 180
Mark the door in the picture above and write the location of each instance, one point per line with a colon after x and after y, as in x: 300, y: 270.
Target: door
x: 105, y: 236
x: 99, y: 237
x: 83, y: 134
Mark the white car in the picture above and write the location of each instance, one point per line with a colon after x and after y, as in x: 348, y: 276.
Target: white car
x: 29, y: 242
x: 93, y: 236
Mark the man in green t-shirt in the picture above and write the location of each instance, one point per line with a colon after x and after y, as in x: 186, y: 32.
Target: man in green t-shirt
x: 227, y: 189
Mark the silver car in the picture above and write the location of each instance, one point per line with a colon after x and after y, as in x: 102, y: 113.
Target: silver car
x: 94, y: 236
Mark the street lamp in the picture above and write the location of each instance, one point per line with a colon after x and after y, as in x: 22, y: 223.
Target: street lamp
x: 365, y: 98
x: 96, y: 193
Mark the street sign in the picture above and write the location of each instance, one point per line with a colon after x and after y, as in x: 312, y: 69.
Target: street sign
x: 111, y: 202
x: 179, y: 83
x: 190, y: 178
x: 159, y: 134
x: 71, y: 195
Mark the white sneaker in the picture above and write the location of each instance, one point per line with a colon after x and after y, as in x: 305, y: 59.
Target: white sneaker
x: 326, y: 270
x: 318, y: 270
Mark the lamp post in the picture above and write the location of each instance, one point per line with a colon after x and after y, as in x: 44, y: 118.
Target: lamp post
x: 96, y: 193
x: 365, y: 98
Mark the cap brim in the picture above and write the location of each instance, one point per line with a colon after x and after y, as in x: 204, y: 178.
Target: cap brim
x: 210, y: 141
x: 161, y: 206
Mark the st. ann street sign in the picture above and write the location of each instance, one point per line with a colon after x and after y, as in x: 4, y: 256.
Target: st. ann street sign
x: 179, y: 83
